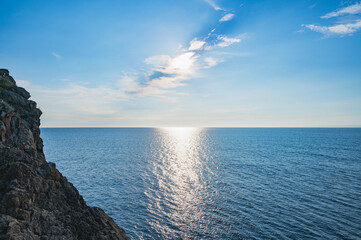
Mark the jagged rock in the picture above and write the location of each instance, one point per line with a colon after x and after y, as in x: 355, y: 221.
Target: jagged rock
x: 36, y: 201
x: 13, y: 98
x: 21, y: 91
x: 6, y: 80
x: 4, y: 72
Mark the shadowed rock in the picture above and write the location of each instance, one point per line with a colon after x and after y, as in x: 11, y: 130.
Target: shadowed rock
x: 36, y: 201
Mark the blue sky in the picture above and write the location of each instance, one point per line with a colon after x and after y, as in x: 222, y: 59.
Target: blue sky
x: 206, y: 63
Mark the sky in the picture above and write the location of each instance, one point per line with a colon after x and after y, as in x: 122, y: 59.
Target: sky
x: 187, y: 63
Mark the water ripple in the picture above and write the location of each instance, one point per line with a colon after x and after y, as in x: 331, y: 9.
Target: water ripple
x: 189, y: 183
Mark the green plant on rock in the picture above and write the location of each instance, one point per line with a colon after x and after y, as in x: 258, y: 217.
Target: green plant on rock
x: 4, y: 83
x: 11, y: 162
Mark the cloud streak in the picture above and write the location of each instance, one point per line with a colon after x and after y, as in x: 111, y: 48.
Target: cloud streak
x: 196, y: 44
x: 346, y: 27
x: 213, y: 5
x: 226, y: 41
x: 227, y: 17
x: 56, y: 55
x: 352, y: 9
x: 339, y: 29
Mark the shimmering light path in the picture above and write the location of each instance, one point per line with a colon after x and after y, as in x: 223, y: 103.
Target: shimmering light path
x: 177, y: 184
x: 189, y: 183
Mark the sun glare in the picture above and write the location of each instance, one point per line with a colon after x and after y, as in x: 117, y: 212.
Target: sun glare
x: 183, y: 62
x: 180, y: 132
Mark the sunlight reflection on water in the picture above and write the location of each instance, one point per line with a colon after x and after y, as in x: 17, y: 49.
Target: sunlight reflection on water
x: 178, y: 172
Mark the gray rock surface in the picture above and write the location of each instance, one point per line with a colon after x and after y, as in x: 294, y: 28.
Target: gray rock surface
x: 36, y: 201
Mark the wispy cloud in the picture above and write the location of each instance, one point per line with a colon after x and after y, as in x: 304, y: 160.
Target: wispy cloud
x: 227, y: 17
x: 347, y: 26
x: 196, y: 44
x: 312, y: 5
x: 352, y: 9
x: 210, y: 62
x: 213, y: 4
x: 160, y: 78
x: 76, y: 98
x: 56, y: 55
x: 339, y: 29
x: 226, y: 41
x: 169, y: 72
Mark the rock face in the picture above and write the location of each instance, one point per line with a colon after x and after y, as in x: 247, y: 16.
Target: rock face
x: 36, y: 201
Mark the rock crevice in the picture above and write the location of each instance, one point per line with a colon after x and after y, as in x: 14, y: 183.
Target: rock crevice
x: 36, y: 200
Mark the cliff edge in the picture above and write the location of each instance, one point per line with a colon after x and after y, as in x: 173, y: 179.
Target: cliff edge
x: 36, y: 201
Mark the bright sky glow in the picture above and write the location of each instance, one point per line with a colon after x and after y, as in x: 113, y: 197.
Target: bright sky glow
x: 191, y: 63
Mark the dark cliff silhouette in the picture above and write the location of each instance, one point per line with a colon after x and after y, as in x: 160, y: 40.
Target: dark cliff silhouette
x: 36, y: 201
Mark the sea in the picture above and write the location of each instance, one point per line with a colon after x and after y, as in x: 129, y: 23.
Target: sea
x: 217, y: 183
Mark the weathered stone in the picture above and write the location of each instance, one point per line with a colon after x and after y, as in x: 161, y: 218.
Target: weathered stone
x: 4, y: 72
x: 13, y: 98
x: 2, y: 132
x: 21, y: 91
x: 36, y: 201
x: 6, y: 81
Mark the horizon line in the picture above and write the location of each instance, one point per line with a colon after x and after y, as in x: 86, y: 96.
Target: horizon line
x: 205, y: 127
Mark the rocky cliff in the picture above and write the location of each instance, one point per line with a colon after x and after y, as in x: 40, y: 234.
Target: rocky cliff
x: 36, y: 201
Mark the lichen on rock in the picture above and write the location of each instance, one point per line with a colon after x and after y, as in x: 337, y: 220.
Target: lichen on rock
x: 36, y: 200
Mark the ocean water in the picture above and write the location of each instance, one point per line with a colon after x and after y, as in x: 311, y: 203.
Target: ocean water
x: 221, y: 183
